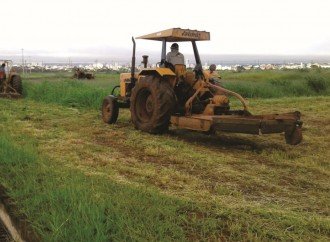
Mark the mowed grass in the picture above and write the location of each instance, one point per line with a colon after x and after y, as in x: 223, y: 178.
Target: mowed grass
x: 78, y: 179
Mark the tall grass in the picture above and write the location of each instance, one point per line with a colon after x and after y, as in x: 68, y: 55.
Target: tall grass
x: 277, y: 88
x: 251, y: 84
x: 276, y: 84
x: 70, y: 93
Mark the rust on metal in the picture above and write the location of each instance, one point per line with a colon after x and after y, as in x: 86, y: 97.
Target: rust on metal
x: 10, y: 81
x: 259, y: 124
x: 226, y: 91
x: 193, y: 123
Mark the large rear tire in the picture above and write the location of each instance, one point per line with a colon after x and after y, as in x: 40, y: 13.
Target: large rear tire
x: 110, y: 110
x: 152, y: 104
x: 16, y: 83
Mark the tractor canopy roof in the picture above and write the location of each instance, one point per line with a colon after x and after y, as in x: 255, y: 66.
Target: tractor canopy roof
x: 177, y: 35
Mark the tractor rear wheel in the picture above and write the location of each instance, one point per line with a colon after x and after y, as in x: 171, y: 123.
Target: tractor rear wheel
x: 152, y: 104
x: 294, y: 137
x: 110, y: 110
x: 16, y: 83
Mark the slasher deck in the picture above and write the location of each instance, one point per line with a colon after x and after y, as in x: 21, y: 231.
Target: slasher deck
x: 248, y: 124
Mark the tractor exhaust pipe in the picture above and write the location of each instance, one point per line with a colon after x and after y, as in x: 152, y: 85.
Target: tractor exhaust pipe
x: 133, y: 63
x: 145, y: 61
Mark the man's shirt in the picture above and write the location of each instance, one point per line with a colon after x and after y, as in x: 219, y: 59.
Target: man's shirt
x: 175, y: 57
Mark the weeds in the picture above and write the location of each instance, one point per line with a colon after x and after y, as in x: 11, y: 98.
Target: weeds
x: 317, y: 83
x: 278, y: 84
x: 256, y: 84
x: 68, y: 93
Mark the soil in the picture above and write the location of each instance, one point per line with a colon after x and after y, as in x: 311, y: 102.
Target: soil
x: 19, y: 222
x: 4, y: 236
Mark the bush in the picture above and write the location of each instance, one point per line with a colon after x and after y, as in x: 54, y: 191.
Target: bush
x: 316, y: 83
x: 279, y: 82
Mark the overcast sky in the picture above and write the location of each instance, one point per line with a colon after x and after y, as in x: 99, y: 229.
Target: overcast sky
x: 105, y: 27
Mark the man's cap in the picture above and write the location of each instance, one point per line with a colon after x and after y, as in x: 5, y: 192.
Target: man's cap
x: 174, y: 46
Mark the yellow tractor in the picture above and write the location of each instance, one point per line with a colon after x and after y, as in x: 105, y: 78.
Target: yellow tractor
x: 172, y: 95
x: 10, y: 81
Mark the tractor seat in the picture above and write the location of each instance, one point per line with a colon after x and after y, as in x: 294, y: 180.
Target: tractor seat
x: 2, y: 75
x: 180, y: 70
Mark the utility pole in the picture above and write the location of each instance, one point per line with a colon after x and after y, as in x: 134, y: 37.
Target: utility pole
x: 29, y: 62
x: 23, y: 60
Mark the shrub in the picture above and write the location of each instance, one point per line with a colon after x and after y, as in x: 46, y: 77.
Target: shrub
x: 279, y: 82
x: 316, y: 83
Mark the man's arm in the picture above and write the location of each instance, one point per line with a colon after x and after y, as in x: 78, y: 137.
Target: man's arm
x: 168, y: 57
x: 181, y: 56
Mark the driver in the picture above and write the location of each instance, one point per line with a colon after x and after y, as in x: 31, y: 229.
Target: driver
x: 174, y: 56
x: 3, y: 71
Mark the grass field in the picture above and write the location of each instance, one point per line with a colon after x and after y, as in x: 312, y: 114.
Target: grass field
x: 77, y: 179
x: 60, y: 88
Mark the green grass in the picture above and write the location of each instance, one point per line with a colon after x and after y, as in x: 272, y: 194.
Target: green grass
x: 60, y: 88
x: 45, y: 87
x: 76, y: 178
x: 68, y: 205
x: 276, y: 84
x: 69, y: 93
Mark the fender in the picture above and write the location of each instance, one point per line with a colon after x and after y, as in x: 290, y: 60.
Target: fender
x: 159, y: 70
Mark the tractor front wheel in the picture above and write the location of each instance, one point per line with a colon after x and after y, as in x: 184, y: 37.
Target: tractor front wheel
x: 152, y: 104
x: 16, y: 84
x: 110, y: 110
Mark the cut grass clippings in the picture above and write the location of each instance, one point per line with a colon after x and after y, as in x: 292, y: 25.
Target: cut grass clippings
x: 65, y: 204
x: 76, y: 178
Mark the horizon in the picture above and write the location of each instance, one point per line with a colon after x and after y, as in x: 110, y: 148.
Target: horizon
x: 215, y: 59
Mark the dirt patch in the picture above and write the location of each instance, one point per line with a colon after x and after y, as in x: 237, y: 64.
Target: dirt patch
x: 4, y: 235
x: 19, y: 222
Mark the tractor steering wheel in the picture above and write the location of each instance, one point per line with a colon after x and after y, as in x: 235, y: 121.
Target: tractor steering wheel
x: 166, y: 64
x: 169, y: 65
